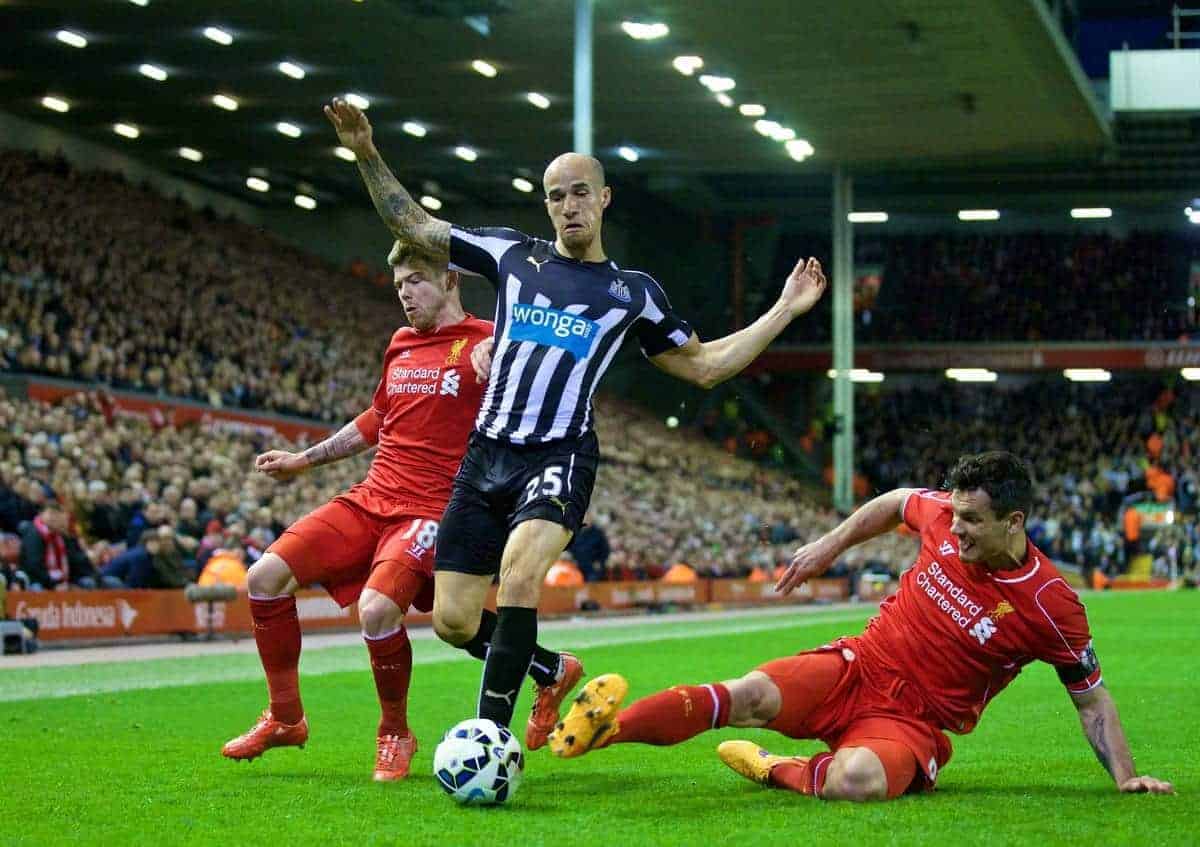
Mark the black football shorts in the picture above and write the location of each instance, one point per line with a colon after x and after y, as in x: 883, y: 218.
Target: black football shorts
x: 500, y: 485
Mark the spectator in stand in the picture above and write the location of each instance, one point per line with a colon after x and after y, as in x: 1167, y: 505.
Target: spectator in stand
x: 51, y: 558
x: 590, y: 549
x: 157, y: 561
x: 189, y: 519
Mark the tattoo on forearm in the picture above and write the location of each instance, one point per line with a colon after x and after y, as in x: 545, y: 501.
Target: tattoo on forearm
x: 345, y: 442
x: 393, y: 203
x: 402, y: 215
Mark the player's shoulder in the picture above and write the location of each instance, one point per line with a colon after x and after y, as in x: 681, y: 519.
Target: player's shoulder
x: 478, y: 326
x: 1040, y: 585
x: 924, y: 508
x: 401, y: 337
x: 492, y: 234
x: 639, y: 279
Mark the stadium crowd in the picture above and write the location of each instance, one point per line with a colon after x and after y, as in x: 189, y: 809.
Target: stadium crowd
x: 1019, y: 287
x: 1093, y: 450
x: 140, y: 503
x: 107, y: 282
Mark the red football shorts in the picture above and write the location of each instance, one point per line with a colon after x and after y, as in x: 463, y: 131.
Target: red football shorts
x: 351, y: 543
x: 826, y: 696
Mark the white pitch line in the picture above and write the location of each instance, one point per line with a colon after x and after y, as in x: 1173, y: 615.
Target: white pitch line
x: 322, y: 662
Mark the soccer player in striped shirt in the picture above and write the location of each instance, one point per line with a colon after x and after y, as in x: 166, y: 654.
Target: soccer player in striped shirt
x: 563, y: 310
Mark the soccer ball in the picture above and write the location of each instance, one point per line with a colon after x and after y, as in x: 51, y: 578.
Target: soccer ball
x: 479, y: 763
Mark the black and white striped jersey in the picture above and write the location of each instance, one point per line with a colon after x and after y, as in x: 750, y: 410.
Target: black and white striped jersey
x: 559, y: 323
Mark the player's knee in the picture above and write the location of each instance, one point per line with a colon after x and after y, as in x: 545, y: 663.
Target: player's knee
x: 377, y: 615
x: 855, y: 774
x: 520, y: 586
x: 755, y: 700
x: 270, y: 576
x: 453, y: 625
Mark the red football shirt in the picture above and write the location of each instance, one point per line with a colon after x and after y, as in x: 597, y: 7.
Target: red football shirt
x: 425, y: 406
x: 960, y: 633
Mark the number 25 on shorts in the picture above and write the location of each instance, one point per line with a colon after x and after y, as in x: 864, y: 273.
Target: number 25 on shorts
x: 548, y: 483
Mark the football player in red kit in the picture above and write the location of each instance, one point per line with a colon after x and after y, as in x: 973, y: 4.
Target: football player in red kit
x: 374, y: 544
x: 978, y: 604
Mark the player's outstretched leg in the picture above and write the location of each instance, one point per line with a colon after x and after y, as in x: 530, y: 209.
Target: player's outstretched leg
x: 388, y: 644
x: 665, y: 718
x: 277, y: 634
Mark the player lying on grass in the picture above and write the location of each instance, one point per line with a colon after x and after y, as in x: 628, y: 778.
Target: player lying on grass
x: 374, y: 545
x: 978, y: 604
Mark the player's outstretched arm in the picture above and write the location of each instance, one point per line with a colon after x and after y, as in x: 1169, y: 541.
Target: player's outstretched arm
x: 348, y: 441
x: 396, y: 207
x: 710, y: 363
x: 873, y: 518
x: 1102, y: 726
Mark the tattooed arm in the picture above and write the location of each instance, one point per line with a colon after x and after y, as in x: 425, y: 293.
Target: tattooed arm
x: 396, y: 207
x: 1102, y: 726
x: 350, y: 440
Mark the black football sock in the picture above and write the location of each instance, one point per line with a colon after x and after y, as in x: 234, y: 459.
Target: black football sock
x: 544, y: 668
x: 507, y: 662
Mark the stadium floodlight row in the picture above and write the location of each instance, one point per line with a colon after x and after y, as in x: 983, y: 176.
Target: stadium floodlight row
x: 988, y: 375
x: 225, y: 37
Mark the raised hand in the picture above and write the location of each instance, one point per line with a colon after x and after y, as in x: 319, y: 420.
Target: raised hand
x: 804, y: 286
x: 353, y: 128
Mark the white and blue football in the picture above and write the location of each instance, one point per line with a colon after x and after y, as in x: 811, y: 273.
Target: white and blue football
x: 479, y: 763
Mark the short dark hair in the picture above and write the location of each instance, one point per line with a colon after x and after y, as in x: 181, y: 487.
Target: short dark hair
x: 1004, y: 477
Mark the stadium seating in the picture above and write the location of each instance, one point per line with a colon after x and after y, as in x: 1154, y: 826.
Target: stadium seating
x: 1028, y: 286
x: 1093, y: 448
x: 108, y: 282
x: 661, y: 497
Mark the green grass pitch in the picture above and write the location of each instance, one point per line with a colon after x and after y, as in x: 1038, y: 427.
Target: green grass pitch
x: 130, y: 754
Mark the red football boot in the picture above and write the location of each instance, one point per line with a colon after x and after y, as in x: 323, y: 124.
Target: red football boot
x: 549, y: 697
x: 393, y: 755
x: 264, y: 735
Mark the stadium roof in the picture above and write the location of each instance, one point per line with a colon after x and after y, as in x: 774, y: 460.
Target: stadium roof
x: 933, y: 86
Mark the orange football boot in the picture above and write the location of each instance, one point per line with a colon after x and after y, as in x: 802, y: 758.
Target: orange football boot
x: 393, y: 755
x: 264, y: 735
x: 544, y: 715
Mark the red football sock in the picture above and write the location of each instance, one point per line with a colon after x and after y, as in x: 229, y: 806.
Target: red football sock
x: 391, y: 662
x: 806, y: 778
x: 674, y: 715
x: 277, y: 634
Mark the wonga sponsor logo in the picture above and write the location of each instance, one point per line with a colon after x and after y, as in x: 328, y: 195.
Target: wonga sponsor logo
x: 553, y: 328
